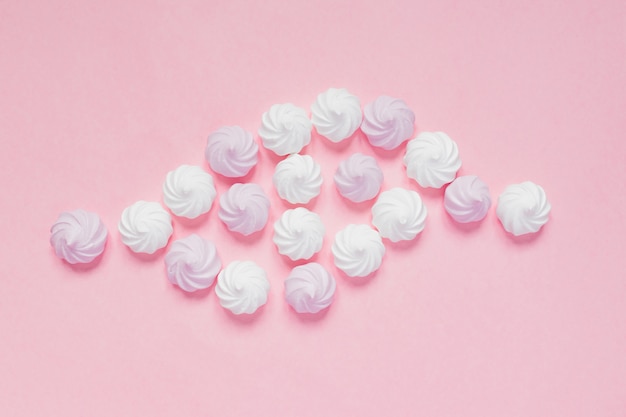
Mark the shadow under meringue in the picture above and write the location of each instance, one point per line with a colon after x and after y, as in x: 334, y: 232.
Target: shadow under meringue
x: 387, y: 153
x: 466, y: 228
x: 195, y: 295
x: 244, y: 319
x: 358, y: 281
x: 192, y: 223
x: 308, y: 318
x: 85, y: 267
x: 403, y: 245
x: 148, y: 257
x: 526, y: 239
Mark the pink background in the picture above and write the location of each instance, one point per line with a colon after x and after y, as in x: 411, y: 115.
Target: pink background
x: 99, y: 100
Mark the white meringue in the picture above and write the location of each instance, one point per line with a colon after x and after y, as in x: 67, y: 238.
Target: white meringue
x: 432, y: 159
x: 309, y: 288
x: 188, y: 191
x: 399, y: 214
x: 231, y: 151
x: 298, y: 179
x: 388, y: 122
x: 286, y: 129
x: 299, y: 233
x: 78, y: 236
x: 358, y: 178
x: 244, y: 208
x: 242, y: 287
x: 523, y: 208
x: 358, y: 250
x: 145, y: 227
x: 192, y: 263
x: 336, y: 114
x: 467, y: 199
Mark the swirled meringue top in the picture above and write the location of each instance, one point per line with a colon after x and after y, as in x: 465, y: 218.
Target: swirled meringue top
x: 244, y: 208
x: 399, y: 214
x: 145, y: 227
x: 78, y: 236
x: 388, y: 122
x: 242, y: 287
x: 336, y: 114
x: 358, y: 250
x: 192, y: 263
x: 189, y: 191
x: 309, y: 288
x: 231, y: 151
x: 299, y: 233
x: 286, y: 129
x: 523, y: 208
x: 358, y: 178
x: 432, y: 159
x: 298, y: 179
x: 467, y: 199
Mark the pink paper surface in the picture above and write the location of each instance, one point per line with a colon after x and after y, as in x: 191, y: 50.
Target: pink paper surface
x: 99, y: 100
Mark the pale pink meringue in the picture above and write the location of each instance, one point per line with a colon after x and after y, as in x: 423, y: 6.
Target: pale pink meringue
x: 467, y: 199
x: 358, y: 178
x: 387, y: 122
x: 231, y: 151
x: 309, y: 288
x: 244, y: 208
x: 192, y: 263
x: 78, y: 236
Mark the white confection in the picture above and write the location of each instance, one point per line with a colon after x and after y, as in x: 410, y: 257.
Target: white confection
x: 242, y: 287
x: 358, y: 250
x: 189, y: 191
x: 145, y: 227
x: 286, y: 129
x: 523, y: 208
x: 432, y: 159
x: 298, y: 179
x: 336, y: 114
x: 299, y: 233
x: 399, y: 214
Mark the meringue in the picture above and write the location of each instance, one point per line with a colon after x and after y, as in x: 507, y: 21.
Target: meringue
x: 358, y: 250
x: 358, y: 178
x: 286, y: 129
x: 242, y: 287
x: 231, y: 151
x: 336, y: 114
x: 192, y: 263
x: 298, y: 179
x: 523, y: 208
x: 145, y: 227
x: 399, y: 214
x: 188, y: 191
x: 244, y: 208
x: 299, y: 233
x: 309, y: 288
x: 432, y: 159
x: 387, y: 122
x: 467, y: 199
x: 78, y: 236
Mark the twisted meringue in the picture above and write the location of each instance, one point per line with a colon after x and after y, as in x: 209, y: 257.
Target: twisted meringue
x: 299, y: 233
x: 358, y: 250
x: 231, y: 151
x: 145, y: 227
x: 399, y: 214
x: 286, y: 129
x: 432, y: 159
x: 309, y: 288
x: 244, y: 208
x: 192, y: 263
x: 188, y: 191
x: 78, y: 236
x: 387, y: 122
x: 523, y: 208
x: 467, y: 199
x: 358, y: 178
x: 298, y: 179
x: 336, y: 114
x: 242, y: 287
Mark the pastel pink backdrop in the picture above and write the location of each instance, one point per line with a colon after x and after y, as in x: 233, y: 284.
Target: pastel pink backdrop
x: 99, y: 100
